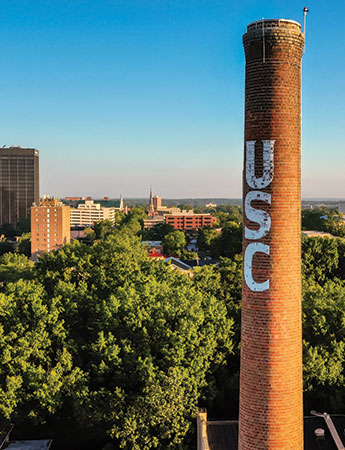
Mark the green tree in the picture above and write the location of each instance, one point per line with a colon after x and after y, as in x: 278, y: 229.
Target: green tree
x: 224, y: 281
x: 320, y: 258
x: 229, y: 213
x: 14, y: 266
x: 324, y: 345
x: 134, y: 221
x: 90, y: 235
x: 119, y: 218
x: 229, y: 242
x: 6, y: 247
x: 335, y: 225
x: 174, y: 243
x: 158, y: 232
x: 206, y: 238
x: 144, y: 337
x: 35, y: 367
x: 103, y: 228
x: 311, y: 219
x: 24, y: 245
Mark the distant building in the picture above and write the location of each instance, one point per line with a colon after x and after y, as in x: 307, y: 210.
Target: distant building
x: 155, y: 220
x: 78, y: 233
x: 153, y: 253
x: 157, y: 202
x: 180, y: 220
x: 175, y: 263
x: 188, y: 221
x: 86, y: 214
x: 179, y: 265
x: 165, y: 210
x: 153, y: 245
x: 157, y: 209
x: 19, y: 183
x: 74, y: 199
x: 50, y: 226
x: 211, y: 205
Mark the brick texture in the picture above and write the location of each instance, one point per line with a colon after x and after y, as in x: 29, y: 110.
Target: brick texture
x: 271, y: 413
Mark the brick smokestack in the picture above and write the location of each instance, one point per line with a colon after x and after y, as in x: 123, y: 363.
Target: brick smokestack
x: 271, y: 414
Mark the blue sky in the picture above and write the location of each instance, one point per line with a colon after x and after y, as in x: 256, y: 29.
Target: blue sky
x: 121, y: 94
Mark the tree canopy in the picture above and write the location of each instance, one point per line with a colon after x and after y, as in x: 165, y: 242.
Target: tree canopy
x: 121, y: 342
x: 120, y: 346
x: 174, y: 243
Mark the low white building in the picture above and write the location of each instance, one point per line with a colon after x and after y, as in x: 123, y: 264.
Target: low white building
x: 86, y: 214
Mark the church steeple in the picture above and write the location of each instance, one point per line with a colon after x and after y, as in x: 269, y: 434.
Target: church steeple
x: 151, y: 207
x: 121, y: 203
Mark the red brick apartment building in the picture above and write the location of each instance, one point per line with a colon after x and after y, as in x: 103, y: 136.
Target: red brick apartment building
x: 50, y: 226
x: 189, y: 221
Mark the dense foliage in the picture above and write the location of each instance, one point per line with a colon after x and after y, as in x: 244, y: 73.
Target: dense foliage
x: 324, y: 219
x: 110, y: 340
x: 118, y: 346
x: 226, y: 242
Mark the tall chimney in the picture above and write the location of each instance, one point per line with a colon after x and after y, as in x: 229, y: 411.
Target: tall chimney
x: 271, y: 413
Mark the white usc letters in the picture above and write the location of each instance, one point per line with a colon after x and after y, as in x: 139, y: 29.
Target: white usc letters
x: 262, y: 218
x: 267, y: 175
x: 257, y: 215
x: 251, y: 249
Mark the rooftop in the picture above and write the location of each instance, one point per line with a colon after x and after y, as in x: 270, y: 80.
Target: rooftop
x: 223, y: 434
x: 41, y: 444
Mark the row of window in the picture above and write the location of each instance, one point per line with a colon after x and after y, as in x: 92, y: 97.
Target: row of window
x: 55, y: 240
x: 188, y: 221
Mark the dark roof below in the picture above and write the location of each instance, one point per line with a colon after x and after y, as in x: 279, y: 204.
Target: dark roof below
x: 311, y: 442
x: 223, y: 435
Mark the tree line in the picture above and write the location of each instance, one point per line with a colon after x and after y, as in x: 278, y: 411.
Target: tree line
x: 102, y: 346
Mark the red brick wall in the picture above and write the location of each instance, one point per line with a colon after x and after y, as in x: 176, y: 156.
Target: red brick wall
x: 271, y: 415
x: 190, y: 222
x: 57, y: 233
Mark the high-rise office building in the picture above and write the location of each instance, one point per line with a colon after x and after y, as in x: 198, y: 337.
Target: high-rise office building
x: 19, y: 183
x: 50, y: 226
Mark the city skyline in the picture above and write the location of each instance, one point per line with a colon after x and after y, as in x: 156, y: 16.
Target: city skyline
x: 118, y: 96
